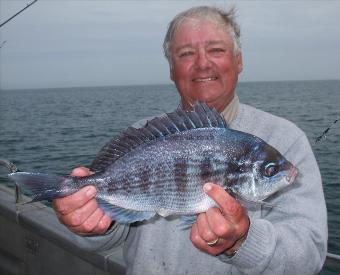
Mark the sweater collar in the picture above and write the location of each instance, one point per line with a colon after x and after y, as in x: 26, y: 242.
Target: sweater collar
x: 230, y: 112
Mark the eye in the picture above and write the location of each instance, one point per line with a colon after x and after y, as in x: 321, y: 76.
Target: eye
x: 217, y: 51
x: 186, y: 53
x: 271, y: 169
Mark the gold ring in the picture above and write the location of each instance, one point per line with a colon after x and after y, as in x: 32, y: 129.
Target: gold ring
x: 212, y: 243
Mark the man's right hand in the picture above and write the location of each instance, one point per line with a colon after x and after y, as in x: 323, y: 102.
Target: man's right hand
x: 80, y: 212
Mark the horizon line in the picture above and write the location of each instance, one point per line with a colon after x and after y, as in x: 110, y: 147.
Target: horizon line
x: 155, y: 84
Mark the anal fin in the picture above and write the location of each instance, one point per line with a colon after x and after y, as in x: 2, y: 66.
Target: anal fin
x: 122, y: 215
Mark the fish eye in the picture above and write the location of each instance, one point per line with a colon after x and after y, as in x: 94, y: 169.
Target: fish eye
x: 271, y: 169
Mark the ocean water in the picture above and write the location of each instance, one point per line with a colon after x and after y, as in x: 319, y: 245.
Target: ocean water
x: 55, y: 130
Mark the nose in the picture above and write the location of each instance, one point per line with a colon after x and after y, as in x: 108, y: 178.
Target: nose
x: 202, y: 60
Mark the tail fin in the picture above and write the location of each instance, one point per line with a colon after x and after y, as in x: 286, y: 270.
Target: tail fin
x: 42, y: 186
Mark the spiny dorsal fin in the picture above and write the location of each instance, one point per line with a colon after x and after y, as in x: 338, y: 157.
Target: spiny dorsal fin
x: 178, y: 121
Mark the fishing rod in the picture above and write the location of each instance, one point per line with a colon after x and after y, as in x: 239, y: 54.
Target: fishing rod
x: 323, y: 135
x: 9, y: 19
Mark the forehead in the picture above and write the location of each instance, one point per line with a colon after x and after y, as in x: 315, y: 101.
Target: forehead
x: 191, y: 31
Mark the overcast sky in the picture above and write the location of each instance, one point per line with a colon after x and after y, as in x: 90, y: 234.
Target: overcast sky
x: 101, y: 43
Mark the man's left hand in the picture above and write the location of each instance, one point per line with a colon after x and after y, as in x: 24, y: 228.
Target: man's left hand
x: 223, y: 229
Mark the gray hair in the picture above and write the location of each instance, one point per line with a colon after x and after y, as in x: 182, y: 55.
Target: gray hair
x: 213, y: 14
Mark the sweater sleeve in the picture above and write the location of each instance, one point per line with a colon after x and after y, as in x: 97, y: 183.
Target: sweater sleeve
x: 291, y: 236
x: 114, y: 237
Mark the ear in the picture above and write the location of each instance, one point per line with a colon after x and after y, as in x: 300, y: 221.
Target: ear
x: 239, y: 62
x: 171, y: 73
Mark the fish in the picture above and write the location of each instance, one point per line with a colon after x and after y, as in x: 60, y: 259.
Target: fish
x: 160, y: 169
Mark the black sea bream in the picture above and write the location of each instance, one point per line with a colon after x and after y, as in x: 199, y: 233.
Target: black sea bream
x: 162, y: 167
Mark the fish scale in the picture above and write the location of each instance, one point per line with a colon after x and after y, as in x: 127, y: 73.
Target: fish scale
x: 161, y: 168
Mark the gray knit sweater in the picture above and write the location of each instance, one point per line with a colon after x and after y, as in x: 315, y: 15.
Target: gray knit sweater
x: 288, y: 238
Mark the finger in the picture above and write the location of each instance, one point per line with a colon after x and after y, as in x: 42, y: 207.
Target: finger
x: 203, y: 228
x: 201, y: 244
x: 65, y: 205
x: 80, y: 215
x: 196, y: 238
x: 81, y: 172
x: 103, y: 225
x: 229, y: 206
x: 237, y: 221
x: 89, y: 224
x: 68, y: 204
x: 218, y: 223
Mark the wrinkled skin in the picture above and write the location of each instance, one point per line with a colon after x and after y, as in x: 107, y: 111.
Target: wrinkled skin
x: 204, y: 64
x: 229, y: 224
x: 204, y: 67
x: 80, y: 211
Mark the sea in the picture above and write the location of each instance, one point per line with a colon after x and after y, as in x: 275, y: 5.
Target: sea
x: 55, y: 130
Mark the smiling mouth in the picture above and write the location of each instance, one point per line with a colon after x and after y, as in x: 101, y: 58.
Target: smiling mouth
x: 204, y: 79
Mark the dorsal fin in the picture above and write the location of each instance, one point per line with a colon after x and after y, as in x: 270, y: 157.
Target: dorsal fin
x: 178, y: 121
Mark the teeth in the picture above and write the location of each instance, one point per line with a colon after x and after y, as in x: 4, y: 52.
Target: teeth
x: 205, y: 79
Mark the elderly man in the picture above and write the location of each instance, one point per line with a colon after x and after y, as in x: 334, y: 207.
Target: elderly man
x: 203, y: 49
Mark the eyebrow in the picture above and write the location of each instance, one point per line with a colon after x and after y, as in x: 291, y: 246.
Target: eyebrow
x: 188, y: 45
x: 207, y: 43
x: 215, y: 42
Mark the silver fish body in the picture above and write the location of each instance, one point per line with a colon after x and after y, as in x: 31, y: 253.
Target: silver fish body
x: 162, y: 167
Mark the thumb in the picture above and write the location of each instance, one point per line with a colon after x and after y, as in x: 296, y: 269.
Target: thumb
x: 81, y: 172
x: 228, y: 205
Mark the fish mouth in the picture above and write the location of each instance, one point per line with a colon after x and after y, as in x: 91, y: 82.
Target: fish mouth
x: 205, y: 79
x: 292, y: 175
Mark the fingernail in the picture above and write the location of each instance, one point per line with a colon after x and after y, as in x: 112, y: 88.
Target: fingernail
x: 207, y: 187
x: 90, y: 192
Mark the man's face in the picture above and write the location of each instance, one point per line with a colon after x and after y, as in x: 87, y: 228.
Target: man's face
x: 204, y: 66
